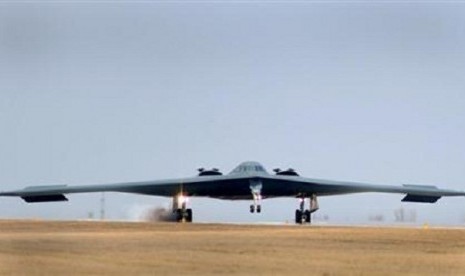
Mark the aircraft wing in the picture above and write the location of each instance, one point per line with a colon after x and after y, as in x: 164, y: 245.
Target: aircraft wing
x: 212, y: 186
x: 236, y: 187
x: 274, y: 186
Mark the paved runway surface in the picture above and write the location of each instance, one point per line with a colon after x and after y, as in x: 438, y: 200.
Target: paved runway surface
x: 99, y: 248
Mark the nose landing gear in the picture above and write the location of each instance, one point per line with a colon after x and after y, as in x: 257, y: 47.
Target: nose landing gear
x: 256, y: 190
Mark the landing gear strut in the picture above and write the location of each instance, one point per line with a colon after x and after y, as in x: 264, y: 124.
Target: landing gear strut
x: 303, y: 216
x: 256, y: 190
x: 180, y: 210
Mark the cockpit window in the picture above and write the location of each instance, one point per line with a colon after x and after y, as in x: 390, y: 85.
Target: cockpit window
x: 249, y: 167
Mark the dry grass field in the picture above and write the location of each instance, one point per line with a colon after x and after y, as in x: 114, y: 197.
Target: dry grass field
x: 99, y: 248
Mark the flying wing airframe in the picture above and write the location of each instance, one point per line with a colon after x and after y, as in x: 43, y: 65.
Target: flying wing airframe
x: 248, y: 181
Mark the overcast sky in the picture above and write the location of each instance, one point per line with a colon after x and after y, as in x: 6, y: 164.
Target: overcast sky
x: 106, y: 92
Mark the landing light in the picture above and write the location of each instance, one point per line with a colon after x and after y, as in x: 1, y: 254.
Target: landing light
x: 183, y: 199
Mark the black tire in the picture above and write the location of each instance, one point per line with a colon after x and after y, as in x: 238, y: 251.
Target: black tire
x: 252, y: 208
x: 259, y: 208
x: 178, y: 215
x: 189, y: 215
x: 308, y: 217
x: 298, y: 216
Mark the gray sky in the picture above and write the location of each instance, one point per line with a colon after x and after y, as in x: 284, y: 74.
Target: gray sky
x: 105, y: 92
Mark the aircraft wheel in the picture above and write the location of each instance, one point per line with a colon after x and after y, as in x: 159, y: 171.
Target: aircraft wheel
x: 259, y: 208
x: 308, y: 217
x: 178, y: 215
x: 189, y: 215
x: 252, y: 208
x: 298, y: 216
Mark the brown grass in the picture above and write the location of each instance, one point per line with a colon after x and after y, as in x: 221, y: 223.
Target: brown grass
x: 46, y: 248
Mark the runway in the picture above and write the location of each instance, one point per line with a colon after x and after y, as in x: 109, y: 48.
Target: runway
x: 118, y: 248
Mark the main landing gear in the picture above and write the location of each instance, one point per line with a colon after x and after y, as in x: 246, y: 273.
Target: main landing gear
x: 180, y: 210
x: 303, y: 216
